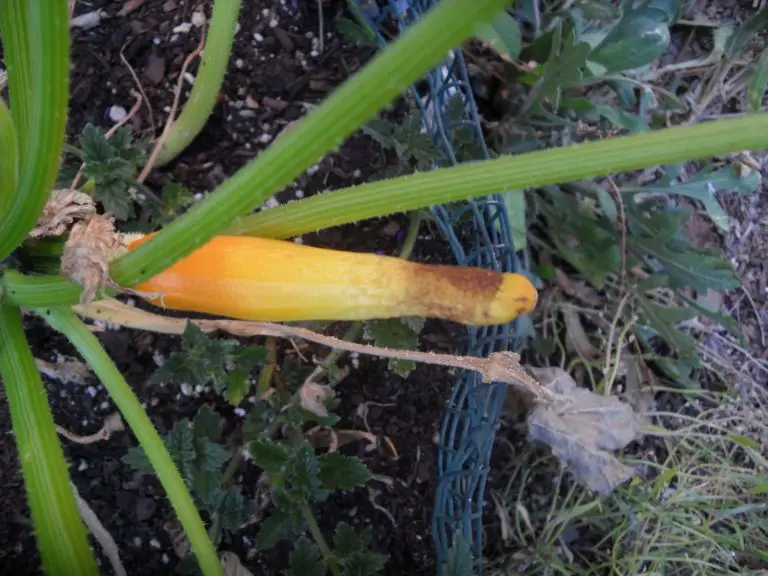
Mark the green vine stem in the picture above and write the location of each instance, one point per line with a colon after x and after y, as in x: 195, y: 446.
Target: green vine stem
x: 210, y: 75
x: 9, y: 157
x: 39, y: 67
x: 531, y: 170
x: 385, y: 77
x: 88, y: 346
x: 317, y: 534
x: 61, y: 536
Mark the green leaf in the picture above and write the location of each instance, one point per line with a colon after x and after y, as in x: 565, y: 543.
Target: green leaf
x: 339, y: 472
x: 351, y: 547
x: 758, y: 82
x: 271, y: 456
x: 302, y: 475
x: 355, y: 32
x: 392, y: 333
x: 460, y: 559
x: 514, y: 202
x: 702, y: 187
x: 59, y: 531
x: 207, y: 487
x: 664, y: 320
x: 739, y: 39
x: 502, y: 35
x: 207, y: 424
x: 276, y: 527
x: 209, y: 456
x: 306, y: 560
x: 180, y: 444
x: 258, y: 421
x: 234, y: 509
x: 638, y: 39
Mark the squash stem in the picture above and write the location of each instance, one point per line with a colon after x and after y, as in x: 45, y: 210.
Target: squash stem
x: 382, y: 80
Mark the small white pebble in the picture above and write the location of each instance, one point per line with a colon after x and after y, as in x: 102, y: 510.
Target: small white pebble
x: 91, y: 391
x: 314, y: 53
x: 154, y: 543
x: 199, y: 389
x: 104, y: 406
x: 265, y: 138
x: 83, y: 466
x: 137, y: 541
x: 63, y: 393
x: 165, y: 558
x: 239, y: 63
x: 271, y: 203
x: 117, y: 113
x: 355, y: 363
x: 183, y: 28
x: 84, y: 422
x: 198, y: 19
x: 156, y: 41
x: 158, y: 358
x: 299, y: 193
x: 237, y: 28
x: 265, y: 12
x: 298, y: 240
x: 252, y: 399
x: 189, y: 78
x: 198, y: 196
x: 239, y: 412
x: 174, y: 38
x: 258, y: 37
x: 356, y: 173
x: 314, y: 169
x: 154, y: 402
x: 273, y: 23
x: 186, y: 389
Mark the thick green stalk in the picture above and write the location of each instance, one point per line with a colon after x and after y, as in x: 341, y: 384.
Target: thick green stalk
x: 61, y: 535
x: 210, y: 75
x: 535, y: 169
x: 325, y: 128
x: 9, y: 157
x: 15, y: 36
x: 40, y: 291
x: 77, y: 332
x: 46, y: 89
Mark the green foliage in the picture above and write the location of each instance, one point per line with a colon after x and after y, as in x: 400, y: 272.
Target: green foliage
x: 402, y: 333
x: 351, y: 547
x: 112, y: 164
x: 459, y: 561
x: 306, y: 560
x: 202, y: 360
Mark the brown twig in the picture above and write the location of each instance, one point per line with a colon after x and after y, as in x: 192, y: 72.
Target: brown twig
x: 138, y: 85
x: 113, y: 423
x: 499, y: 367
x: 171, y: 117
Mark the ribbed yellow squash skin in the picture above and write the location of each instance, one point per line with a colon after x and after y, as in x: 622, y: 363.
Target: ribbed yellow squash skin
x: 261, y: 279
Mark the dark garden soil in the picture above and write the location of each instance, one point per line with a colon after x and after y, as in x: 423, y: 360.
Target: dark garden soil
x: 277, y: 67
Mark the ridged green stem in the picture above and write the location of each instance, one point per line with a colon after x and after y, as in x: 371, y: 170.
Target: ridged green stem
x: 88, y: 346
x: 15, y: 37
x: 45, y: 91
x: 210, y: 75
x: 61, y: 535
x: 9, y: 157
x: 40, y: 291
x: 384, y: 78
x: 535, y: 169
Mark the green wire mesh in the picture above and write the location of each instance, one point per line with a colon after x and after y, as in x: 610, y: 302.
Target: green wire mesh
x: 479, y: 235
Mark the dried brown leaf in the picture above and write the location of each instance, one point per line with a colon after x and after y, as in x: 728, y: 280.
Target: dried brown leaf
x: 583, y: 429
x: 65, y: 207
x: 64, y: 370
x: 232, y: 566
x: 90, y: 248
x: 312, y: 397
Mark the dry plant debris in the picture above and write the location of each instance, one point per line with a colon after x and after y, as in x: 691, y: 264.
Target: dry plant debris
x: 583, y: 429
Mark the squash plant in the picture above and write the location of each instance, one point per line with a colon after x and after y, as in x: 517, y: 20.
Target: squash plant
x: 35, y: 37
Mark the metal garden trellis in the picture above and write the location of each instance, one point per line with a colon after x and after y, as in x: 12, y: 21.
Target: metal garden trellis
x: 479, y: 235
